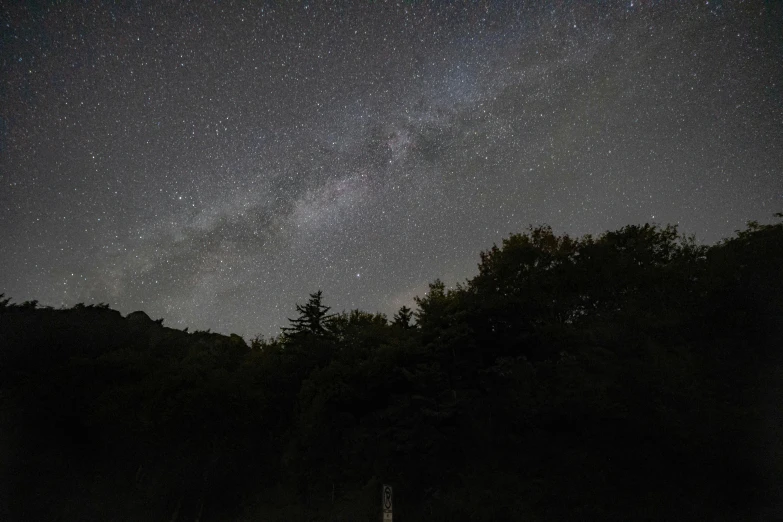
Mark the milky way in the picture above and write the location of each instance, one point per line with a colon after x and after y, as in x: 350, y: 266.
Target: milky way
x: 212, y: 164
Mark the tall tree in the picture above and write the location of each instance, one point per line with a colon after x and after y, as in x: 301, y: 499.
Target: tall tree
x: 403, y: 317
x: 313, y: 318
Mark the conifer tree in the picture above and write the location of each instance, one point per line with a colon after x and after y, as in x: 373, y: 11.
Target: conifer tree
x: 313, y: 318
x: 403, y: 317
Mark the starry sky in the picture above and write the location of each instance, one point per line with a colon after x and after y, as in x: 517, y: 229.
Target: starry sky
x: 213, y: 163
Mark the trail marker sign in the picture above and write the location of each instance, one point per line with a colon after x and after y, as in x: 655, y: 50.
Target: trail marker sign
x: 386, y: 503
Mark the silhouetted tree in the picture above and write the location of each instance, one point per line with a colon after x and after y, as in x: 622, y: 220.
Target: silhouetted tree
x: 403, y: 317
x: 313, y: 318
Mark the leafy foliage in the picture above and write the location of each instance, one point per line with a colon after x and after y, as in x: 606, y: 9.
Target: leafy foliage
x: 631, y: 376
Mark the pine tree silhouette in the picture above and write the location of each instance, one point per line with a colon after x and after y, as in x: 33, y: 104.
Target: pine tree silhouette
x: 403, y: 317
x: 313, y: 318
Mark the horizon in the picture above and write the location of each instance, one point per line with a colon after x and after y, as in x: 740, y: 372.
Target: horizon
x: 335, y: 310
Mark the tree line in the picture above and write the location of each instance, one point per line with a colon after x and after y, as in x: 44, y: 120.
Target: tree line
x: 634, y: 375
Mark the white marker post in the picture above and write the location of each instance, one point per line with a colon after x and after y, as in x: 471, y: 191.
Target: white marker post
x: 386, y: 503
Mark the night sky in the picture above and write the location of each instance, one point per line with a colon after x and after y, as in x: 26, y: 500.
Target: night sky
x: 214, y: 163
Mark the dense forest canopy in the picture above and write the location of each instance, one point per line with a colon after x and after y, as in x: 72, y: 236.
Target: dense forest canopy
x: 636, y: 375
